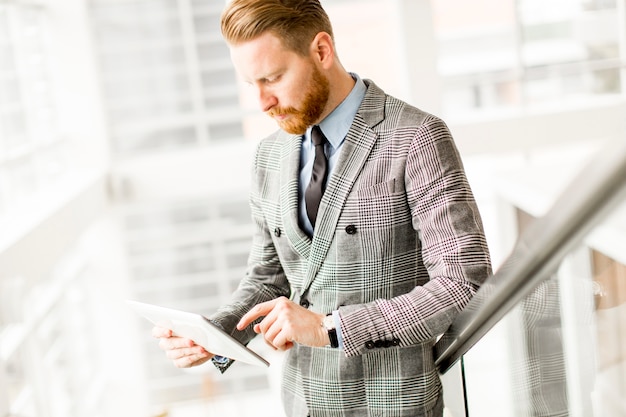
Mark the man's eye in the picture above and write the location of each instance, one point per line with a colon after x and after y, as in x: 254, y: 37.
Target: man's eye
x: 273, y: 79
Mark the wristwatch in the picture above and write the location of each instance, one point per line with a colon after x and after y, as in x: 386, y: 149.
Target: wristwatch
x: 329, y: 325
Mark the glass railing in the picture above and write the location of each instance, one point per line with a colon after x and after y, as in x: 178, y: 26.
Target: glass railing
x: 546, y: 334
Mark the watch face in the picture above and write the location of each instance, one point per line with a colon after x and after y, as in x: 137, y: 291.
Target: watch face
x: 329, y: 322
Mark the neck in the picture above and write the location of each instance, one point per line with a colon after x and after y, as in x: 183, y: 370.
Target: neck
x: 341, y: 84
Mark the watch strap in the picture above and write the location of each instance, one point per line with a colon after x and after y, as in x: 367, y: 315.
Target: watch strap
x: 329, y: 325
x: 332, y: 335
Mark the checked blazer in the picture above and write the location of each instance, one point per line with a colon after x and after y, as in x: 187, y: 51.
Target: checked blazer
x: 398, y: 250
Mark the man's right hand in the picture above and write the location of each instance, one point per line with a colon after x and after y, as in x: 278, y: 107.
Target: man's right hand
x: 183, y: 352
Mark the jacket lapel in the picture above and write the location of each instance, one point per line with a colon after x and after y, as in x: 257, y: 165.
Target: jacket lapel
x: 355, y: 152
x: 289, y: 178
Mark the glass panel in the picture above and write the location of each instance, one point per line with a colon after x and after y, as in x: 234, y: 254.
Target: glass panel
x: 562, y: 350
x: 609, y: 279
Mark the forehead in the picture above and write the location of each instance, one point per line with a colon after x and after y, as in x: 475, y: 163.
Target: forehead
x: 261, y: 57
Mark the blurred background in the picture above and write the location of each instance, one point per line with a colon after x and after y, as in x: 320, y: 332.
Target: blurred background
x: 125, y: 140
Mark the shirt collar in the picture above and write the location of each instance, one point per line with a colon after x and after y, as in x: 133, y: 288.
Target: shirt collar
x: 337, y: 124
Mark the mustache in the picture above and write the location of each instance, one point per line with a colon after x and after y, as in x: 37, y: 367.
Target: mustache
x: 282, y: 111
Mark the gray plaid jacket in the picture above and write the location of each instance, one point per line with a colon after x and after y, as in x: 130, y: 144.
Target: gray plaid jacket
x: 398, y: 249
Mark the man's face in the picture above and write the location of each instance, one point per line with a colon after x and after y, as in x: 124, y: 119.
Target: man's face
x: 290, y: 88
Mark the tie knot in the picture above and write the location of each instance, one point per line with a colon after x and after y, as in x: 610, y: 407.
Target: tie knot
x: 317, y: 136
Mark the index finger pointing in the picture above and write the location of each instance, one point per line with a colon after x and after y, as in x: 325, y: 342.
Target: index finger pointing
x: 257, y: 311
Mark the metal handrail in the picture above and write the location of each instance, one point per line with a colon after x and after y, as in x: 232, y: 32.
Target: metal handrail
x: 598, y: 189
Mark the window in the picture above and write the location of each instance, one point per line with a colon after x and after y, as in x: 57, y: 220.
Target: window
x: 33, y: 153
x: 527, y: 53
x: 167, y: 77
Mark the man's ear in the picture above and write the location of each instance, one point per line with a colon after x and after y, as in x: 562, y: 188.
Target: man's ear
x: 323, y: 49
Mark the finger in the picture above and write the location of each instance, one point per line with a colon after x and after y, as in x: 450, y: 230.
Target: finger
x: 281, y: 339
x: 170, y: 343
x: 270, y: 329
x: 192, y: 360
x: 270, y: 345
x: 194, y: 351
x: 159, y: 332
x: 277, y: 330
x: 285, y: 346
x: 257, y: 311
x: 269, y: 321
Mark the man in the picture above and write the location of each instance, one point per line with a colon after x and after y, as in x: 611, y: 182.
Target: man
x: 358, y: 290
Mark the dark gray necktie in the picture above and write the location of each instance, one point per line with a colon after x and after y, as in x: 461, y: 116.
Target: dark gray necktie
x: 314, y: 191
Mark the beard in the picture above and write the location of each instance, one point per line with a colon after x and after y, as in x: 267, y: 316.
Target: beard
x: 315, y: 100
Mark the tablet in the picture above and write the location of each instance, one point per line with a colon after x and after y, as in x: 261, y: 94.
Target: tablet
x: 199, y: 329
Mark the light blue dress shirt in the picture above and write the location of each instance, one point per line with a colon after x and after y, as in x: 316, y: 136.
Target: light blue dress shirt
x: 335, y: 127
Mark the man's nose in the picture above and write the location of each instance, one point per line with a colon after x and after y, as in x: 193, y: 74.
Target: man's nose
x: 267, y: 99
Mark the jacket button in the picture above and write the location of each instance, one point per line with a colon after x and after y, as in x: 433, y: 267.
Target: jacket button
x: 350, y: 229
x: 379, y: 343
x: 369, y: 345
x: 277, y: 232
x: 305, y: 303
x: 395, y: 342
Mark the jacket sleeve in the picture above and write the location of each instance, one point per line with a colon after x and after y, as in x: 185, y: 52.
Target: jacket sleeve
x: 452, y: 243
